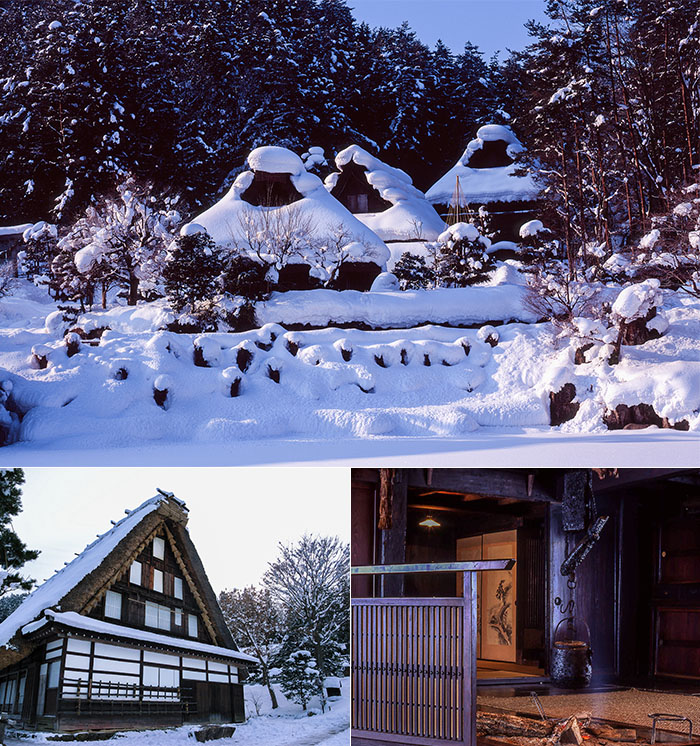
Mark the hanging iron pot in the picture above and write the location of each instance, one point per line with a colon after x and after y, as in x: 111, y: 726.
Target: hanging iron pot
x: 572, y: 657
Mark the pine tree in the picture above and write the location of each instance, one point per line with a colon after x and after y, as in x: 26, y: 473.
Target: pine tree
x: 299, y: 677
x: 192, y: 269
x: 463, y: 257
x: 14, y: 551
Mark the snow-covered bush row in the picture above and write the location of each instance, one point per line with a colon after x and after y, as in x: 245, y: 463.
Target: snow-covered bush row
x: 138, y: 386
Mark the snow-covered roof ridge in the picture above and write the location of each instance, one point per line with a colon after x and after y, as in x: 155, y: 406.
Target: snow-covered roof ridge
x: 275, y: 160
x: 409, y: 213
x: 372, y: 164
x: 77, y: 621
x: 62, y: 582
x: 492, y: 133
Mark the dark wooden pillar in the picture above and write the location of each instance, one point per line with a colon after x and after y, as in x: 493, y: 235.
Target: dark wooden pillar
x: 363, y: 530
x: 393, y: 538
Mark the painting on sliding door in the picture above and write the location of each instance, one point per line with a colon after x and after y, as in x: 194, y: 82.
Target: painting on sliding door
x: 496, y: 616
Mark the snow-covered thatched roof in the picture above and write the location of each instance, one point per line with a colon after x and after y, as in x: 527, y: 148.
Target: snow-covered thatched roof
x: 228, y: 221
x: 485, y: 185
x: 75, y: 587
x: 410, y: 215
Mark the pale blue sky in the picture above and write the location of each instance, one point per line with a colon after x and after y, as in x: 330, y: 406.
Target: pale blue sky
x: 237, y: 516
x: 490, y: 24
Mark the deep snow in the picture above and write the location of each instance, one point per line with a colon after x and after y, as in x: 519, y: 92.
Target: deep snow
x: 406, y: 392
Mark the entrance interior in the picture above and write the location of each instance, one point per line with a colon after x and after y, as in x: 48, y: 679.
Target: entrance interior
x: 443, y: 526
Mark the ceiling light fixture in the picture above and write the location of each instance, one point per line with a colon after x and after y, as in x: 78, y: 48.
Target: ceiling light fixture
x: 429, y: 522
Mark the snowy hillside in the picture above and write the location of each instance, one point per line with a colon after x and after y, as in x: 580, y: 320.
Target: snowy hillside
x: 140, y: 386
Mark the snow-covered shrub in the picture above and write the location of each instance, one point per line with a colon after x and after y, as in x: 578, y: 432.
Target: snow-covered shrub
x: 537, y: 242
x: 463, y: 257
x: 555, y: 294
x: 336, y: 249
x: 385, y: 282
x: 299, y: 677
x: 413, y: 272
x: 275, y: 236
x: 7, y: 278
x: 122, y: 242
x: 9, y: 421
x: 191, y: 278
x: 40, y: 249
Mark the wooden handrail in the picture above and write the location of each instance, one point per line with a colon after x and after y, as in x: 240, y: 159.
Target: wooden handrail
x: 465, y: 566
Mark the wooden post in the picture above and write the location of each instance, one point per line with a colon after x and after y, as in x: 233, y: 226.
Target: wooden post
x: 469, y: 659
x: 393, y: 539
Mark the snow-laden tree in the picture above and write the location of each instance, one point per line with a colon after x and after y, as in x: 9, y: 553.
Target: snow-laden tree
x: 462, y: 256
x: 13, y: 551
x: 122, y: 242
x: 9, y: 603
x: 671, y: 249
x: 310, y: 580
x: 256, y: 623
x: 299, y: 677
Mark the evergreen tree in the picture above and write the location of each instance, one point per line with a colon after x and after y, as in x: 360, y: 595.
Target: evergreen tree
x: 463, y: 257
x: 14, y: 551
x: 9, y: 603
x: 191, y: 273
x: 299, y: 677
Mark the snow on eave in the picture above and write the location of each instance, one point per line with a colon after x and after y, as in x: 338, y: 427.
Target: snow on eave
x: 77, y: 621
x: 483, y: 185
x: 53, y: 590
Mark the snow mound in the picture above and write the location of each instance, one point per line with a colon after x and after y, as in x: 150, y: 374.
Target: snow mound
x: 531, y: 228
x: 635, y: 301
x: 410, y: 216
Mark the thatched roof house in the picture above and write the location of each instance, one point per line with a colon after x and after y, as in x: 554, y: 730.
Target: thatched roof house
x: 278, y: 203
x: 487, y: 176
x: 383, y: 198
x: 132, y: 622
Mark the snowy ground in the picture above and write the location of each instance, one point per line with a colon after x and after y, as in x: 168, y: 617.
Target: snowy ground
x: 286, y: 726
x: 342, y: 395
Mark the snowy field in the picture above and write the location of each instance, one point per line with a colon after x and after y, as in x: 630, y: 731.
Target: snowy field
x: 286, y: 726
x: 341, y: 394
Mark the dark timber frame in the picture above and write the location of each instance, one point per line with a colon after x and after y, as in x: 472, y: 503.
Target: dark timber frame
x: 414, y: 661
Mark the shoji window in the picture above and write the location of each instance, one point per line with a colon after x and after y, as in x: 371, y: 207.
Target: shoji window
x: 113, y: 605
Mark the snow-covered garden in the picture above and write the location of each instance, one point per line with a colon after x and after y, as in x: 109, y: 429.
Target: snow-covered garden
x: 133, y: 330
x: 276, y: 269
